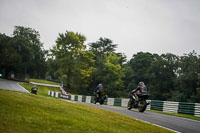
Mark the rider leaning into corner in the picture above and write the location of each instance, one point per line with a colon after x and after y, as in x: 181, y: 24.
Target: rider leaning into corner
x: 139, y: 90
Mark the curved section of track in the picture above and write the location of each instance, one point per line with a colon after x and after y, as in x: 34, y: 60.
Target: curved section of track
x: 171, y: 122
x: 11, y: 85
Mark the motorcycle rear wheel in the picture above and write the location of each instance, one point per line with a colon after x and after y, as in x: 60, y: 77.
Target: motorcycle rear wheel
x: 142, y: 106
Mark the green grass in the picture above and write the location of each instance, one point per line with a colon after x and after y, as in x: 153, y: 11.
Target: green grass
x: 43, y: 81
x: 23, y: 113
x: 178, y: 115
x: 42, y: 90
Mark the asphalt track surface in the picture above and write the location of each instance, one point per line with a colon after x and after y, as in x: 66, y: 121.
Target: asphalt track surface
x: 174, y: 123
x: 11, y: 85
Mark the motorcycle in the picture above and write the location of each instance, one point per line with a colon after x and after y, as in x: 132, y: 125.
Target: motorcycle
x: 100, y: 97
x: 141, y: 104
x: 34, y: 90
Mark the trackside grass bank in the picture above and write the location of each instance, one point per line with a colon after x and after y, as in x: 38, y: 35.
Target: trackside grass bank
x: 42, y: 90
x: 43, y: 81
x: 22, y: 113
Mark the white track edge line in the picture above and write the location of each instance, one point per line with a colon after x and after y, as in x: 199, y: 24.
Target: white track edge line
x: 23, y: 88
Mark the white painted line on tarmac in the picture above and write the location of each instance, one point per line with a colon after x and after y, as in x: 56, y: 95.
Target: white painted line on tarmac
x: 157, y: 125
x: 23, y: 88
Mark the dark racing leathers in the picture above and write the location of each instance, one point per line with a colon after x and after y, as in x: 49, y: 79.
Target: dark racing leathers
x: 139, y: 90
x: 100, y: 95
x: 98, y: 91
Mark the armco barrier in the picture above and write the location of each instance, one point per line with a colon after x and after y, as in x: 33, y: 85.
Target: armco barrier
x: 165, y: 106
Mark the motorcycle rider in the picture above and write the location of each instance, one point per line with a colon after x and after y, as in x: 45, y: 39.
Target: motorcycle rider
x: 99, y: 89
x: 140, y: 89
x: 34, y: 89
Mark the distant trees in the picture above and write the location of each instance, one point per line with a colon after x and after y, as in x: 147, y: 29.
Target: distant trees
x: 168, y: 77
x: 161, y: 76
x: 188, y: 81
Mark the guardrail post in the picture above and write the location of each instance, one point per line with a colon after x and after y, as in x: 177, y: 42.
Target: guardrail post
x: 117, y: 101
x: 52, y: 93
x: 170, y: 107
x: 156, y: 105
x: 83, y: 98
x: 186, y: 108
x: 56, y: 94
x: 197, y: 109
x: 75, y: 98
x: 79, y: 98
x: 124, y: 102
x: 88, y: 99
x: 110, y: 101
x: 92, y: 99
x: 49, y: 92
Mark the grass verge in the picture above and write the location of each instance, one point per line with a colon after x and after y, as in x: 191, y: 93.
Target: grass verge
x: 23, y: 113
x: 43, y: 81
x: 42, y: 90
x: 178, y: 115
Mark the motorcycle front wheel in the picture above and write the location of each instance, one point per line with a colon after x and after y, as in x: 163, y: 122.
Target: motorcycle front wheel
x: 129, y: 106
x: 142, y: 106
x: 101, y: 102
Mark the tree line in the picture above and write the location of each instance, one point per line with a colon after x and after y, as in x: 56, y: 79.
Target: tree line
x: 81, y: 67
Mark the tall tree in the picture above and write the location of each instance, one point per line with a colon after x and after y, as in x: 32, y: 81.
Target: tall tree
x: 27, y: 43
x: 75, y: 63
x: 140, y: 63
x: 10, y: 59
x: 103, y: 46
x: 108, y: 66
x: 112, y: 75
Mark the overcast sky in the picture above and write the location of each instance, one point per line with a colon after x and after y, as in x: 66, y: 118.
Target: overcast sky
x: 155, y: 26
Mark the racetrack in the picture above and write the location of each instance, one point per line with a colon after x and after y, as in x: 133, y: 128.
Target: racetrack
x: 171, y: 122
x: 177, y: 124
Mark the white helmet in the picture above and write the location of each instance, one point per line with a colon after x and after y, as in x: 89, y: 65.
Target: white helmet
x: 141, y: 83
x: 100, y: 85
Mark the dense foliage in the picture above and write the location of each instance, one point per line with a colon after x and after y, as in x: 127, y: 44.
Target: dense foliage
x: 22, y: 54
x: 82, y: 67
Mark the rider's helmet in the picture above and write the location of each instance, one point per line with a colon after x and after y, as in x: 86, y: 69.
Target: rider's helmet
x: 100, y: 85
x: 141, y: 83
